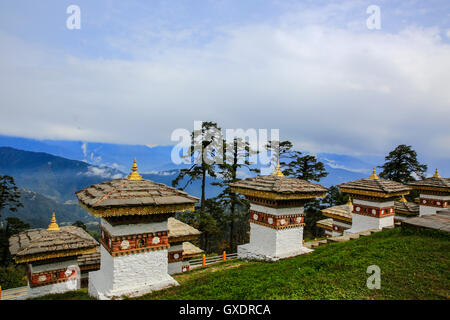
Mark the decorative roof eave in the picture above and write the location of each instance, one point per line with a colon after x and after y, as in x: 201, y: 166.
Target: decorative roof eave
x: 428, y: 188
x: 90, y: 267
x: 183, y: 238
x: 335, y: 216
x: 374, y: 193
x: 405, y: 212
x: 278, y: 196
x: 52, y: 255
x: 138, y: 210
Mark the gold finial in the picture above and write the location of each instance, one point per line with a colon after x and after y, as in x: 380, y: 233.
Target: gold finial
x: 436, y: 174
x: 53, y: 226
x: 278, y: 172
x: 374, y: 174
x: 403, y: 199
x: 134, y: 175
x: 349, y: 202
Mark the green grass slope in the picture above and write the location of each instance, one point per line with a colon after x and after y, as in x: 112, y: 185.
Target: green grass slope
x: 414, y: 265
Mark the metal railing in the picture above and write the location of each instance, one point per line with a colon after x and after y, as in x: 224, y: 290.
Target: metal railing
x: 204, y: 260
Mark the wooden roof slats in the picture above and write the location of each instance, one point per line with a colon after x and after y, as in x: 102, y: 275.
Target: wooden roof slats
x: 41, y: 241
x: 124, y: 192
x: 376, y: 185
x: 279, y: 184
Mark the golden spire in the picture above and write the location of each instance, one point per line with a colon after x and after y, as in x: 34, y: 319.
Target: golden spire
x: 349, y: 202
x: 134, y: 175
x: 374, y: 174
x: 402, y: 199
x: 278, y: 172
x: 436, y: 174
x: 53, y: 226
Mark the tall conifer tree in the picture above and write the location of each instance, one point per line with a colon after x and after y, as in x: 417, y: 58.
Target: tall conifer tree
x: 401, y: 164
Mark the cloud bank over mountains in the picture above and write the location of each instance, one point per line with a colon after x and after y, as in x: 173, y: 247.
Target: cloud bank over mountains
x: 315, y: 72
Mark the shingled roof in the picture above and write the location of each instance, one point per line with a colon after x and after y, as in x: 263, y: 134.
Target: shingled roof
x: 40, y: 244
x: 178, y: 229
x: 126, y: 193
x: 133, y: 191
x: 189, y: 250
x: 342, y: 211
x: 88, y: 260
x: 434, y: 182
x: 375, y: 186
x: 406, y: 208
x: 280, y: 185
x: 326, y: 222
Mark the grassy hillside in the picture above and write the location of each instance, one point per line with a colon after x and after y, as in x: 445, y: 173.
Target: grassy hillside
x: 414, y: 265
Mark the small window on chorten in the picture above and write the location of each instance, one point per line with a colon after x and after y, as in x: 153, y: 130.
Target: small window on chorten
x: 140, y: 243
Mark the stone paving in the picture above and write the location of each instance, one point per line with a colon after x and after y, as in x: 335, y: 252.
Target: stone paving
x: 440, y: 221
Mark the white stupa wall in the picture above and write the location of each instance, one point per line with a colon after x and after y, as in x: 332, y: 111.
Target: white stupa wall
x: 363, y: 222
x: 376, y: 204
x: 69, y: 285
x: 137, y: 228
x: 425, y: 210
x: 130, y: 275
x: 60, y: 287
x: 276, y: 211
x: 175, y: 267
x: 272, y: 244
x: 73, y: 263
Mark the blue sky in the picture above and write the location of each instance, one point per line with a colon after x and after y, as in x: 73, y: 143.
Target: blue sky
x: 137, y: 70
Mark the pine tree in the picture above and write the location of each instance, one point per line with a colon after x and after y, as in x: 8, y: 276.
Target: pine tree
x: 9, y: 194
x: 335, y: 197
x: 13, y: 226
x: 205, y: 144
x: 295, y: 165
x: 400, y: 165
x: 236, y: 156
x: 209, y: 222
x: 281, y: 151
x: 206, y: 147
x: 305, y: 167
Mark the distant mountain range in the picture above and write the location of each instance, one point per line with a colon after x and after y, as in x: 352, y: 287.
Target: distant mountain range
x: 56, y: 177
x: 157, y: 159
x: 48, y: 184
x: 51, y: 171
x: 37, y: 211
x: 118, y: 156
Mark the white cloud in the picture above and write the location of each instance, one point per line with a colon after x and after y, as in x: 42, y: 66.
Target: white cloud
x: 102, y: 172
x: 335, y: 165
x: 84, y: 149
x: 161, y: 173
x: 327, y: 88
